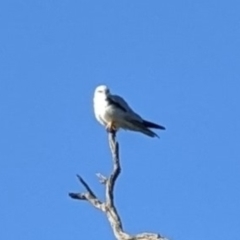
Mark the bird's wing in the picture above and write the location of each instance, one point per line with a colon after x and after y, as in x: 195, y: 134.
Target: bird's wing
x: 119, y: 102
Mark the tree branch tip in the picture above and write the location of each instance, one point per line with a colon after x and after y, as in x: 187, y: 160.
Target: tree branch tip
x: 79, y: 177
x: 82, y: 181
x: 77, y: 196
x: 102, y: 178
x: 73, y: 195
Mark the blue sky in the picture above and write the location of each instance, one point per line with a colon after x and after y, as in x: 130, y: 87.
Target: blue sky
x: 176, y: 63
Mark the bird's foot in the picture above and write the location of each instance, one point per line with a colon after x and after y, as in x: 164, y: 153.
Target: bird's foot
x: 111, y: 127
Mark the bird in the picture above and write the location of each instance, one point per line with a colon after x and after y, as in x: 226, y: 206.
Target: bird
x: 113, y: 112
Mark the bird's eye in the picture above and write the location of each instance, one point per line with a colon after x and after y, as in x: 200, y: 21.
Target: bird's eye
x: 100, y: 91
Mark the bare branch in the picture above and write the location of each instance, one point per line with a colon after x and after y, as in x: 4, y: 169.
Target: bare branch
x: 88, y: 196
x: 102, y: 179
x: 78, y: 196
x: 86, y: 186
x: 114, y: 147
x: 108, y: 207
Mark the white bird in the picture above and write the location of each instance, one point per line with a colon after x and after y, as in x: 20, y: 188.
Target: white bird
x: 114, y: 113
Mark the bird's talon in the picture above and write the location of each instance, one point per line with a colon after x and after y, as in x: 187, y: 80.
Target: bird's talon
x: 111, y: 128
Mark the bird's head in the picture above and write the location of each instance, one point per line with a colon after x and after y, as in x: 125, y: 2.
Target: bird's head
x: 102, y: 90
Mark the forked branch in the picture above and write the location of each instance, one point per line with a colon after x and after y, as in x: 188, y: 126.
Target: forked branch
x: 108, y: 207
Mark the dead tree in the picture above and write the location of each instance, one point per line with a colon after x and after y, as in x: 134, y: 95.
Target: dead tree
x: 108, y: 207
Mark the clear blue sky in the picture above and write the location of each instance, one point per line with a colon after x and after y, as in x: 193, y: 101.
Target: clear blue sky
x: 176, y: 62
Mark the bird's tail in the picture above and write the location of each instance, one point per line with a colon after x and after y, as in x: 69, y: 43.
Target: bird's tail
x: 140, y: 127
x: 148, y: 132
x: 152, y: 125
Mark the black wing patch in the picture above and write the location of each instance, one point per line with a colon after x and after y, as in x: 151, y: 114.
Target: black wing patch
x: 116, y: 104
